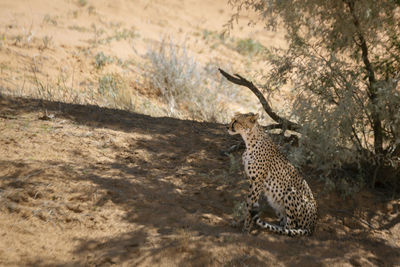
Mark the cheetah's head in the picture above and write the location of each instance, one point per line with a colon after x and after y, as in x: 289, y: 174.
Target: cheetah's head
x: 242, y: 123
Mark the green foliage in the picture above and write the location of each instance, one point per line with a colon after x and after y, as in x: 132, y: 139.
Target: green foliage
x: 212, y: 36
x: 82, y: 3
x: 101, y: 60
x: 239, y: 213
x: 114, y: 92
x: 50, y: 20
x: 47, y: 42
x: 2, y: 39
x: 123, y: 34
x: 343, y: 64
x: 78, y: 28
x: 209, y: 35
x: 91, y: 10
x: 117, y: 35
x: 109, y: 84
x: 249, y: 47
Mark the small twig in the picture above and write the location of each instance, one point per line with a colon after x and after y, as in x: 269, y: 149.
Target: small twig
x: 282, y: 122
x: 273, y: 126
x: 32, y: 174
x: 46, y: 116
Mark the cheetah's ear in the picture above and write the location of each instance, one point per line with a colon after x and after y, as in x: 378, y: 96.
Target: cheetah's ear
x: 254, y: 118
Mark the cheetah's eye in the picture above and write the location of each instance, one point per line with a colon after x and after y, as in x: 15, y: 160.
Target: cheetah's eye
x: 233, y: 123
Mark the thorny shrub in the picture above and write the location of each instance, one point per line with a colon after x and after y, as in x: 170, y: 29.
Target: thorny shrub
x: 184, y: 85
x: 343, y: 65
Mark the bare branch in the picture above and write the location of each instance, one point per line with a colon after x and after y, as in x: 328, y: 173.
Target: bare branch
x: 273, y: 126
x: 282, y: 122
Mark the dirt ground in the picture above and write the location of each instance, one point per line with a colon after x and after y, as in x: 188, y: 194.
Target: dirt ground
x: 83, y: 185
x: 62, y: 49
x: 98, y: 187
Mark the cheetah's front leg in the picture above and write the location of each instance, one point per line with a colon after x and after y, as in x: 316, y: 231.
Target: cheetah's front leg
x: 252, y: 205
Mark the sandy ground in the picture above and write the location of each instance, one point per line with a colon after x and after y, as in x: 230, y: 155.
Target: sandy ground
x: 91, y: 186
x: 48, y: 48
x: 99, y: 187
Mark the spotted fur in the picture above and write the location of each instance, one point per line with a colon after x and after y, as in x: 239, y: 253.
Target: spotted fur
x: 270, y: 173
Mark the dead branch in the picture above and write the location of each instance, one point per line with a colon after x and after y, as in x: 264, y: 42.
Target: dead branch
x: 282, y: 122
x: 273, y: 126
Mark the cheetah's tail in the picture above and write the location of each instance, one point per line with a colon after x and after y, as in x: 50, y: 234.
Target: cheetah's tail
x: 279, y: 229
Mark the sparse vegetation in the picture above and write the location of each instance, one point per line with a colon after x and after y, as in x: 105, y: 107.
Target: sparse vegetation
x: 25, y: 38
x: 249, y: 47
x: 186, y: 88
x: 117, y: 35
x: 182, y: 83
x: 91, y: 10
x: 82, y: 3
x: 47, y: 42
x: 78, y: 28
x: 52, y: 20
x: 123, y: 34
x: 98, y: 32
x: 109, y: 85
x: 101, y: 60
x: 212, y: 37
x: 239, y: 213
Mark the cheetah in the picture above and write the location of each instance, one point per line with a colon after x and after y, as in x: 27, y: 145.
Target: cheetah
x: 269, y: 172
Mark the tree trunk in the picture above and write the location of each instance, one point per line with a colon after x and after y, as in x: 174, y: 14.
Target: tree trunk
x: 376, y: 120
